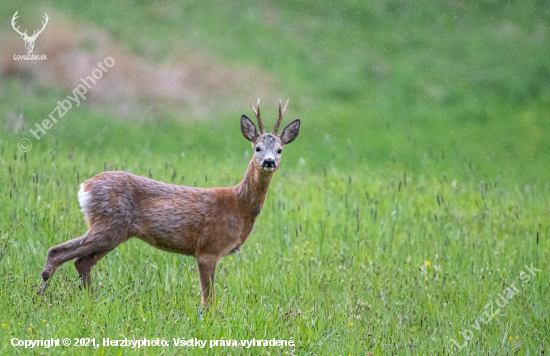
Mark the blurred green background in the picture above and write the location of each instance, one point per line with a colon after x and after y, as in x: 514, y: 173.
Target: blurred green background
x: 376, y: 83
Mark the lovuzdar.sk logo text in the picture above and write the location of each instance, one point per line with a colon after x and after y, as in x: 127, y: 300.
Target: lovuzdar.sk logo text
x: 29, y: 40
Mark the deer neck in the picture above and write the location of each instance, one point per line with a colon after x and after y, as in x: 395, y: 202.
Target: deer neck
x: 252, y: 190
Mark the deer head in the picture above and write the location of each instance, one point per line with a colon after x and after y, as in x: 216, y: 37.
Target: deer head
x: 29, y: 40
x: 268, y: 147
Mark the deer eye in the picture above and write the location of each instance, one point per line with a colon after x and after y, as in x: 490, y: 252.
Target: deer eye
x: 258, y: 149
x: 279, y: 151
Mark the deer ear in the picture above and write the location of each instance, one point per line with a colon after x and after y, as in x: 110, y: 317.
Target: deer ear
x: 290, y: 132
x: 248, y: 129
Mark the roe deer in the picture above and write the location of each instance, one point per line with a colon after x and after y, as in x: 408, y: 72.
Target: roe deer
x: 207, y: 223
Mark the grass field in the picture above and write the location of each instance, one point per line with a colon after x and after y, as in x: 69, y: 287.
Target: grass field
x: 405, y: 218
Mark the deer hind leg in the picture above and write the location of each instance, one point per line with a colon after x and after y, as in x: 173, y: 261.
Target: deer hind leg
x: 84, y: 264
x: 92, y: 241
x: 207, y: 269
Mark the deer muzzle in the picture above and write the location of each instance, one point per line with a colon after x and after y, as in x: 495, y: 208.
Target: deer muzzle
x: 268, y: 164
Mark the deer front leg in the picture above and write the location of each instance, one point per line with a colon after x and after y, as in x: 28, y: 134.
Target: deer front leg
x: 207, y: 269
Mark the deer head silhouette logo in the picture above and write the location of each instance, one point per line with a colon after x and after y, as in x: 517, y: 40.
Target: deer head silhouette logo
x: 29, y: 40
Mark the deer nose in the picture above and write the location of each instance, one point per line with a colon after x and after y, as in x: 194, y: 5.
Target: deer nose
x: 269, y: 162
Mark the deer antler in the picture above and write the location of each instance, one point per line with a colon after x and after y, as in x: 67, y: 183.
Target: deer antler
x: 43, y: 26
x: 13, y: 25
x: 257, y: 113
x: 281, y: 114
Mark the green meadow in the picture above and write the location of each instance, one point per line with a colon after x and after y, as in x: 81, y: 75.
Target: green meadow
x: 409, y: 217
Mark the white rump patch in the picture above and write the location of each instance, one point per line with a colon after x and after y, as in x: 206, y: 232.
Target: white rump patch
x: 83, y: 199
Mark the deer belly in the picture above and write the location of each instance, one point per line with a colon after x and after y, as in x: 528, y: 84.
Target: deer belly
x: 235, y: 250
x: 170, y: 244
